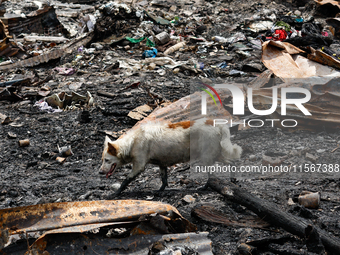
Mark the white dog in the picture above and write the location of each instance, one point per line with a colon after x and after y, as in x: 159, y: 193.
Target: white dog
x: 166, y: 144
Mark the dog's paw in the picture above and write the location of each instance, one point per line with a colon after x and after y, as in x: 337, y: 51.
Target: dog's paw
x: 161, y: 188
x: 112, y: 196
x: 159, y: 193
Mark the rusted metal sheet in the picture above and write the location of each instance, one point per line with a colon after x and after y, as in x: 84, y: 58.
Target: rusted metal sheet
x: 3, y: 30
x: 323, y: 58
x: 8, y: 48
x: 324, y: 104
x: 287, y: 47
x: 54, y: 54
x: 281, y: 58
x: 99, y: 227
x: 188, y: 107
x: 59, y: 215
x: 279, y: 61
x: 331, y: 2
x: 210, y: 214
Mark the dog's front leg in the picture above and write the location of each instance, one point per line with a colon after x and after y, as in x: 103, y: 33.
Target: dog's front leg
x: 206, y: 185
x: 124, y: 185
x: 136, y: 170
x: 164, y: 176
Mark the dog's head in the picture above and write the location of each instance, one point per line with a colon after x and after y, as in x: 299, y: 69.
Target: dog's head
x: 110, y: 157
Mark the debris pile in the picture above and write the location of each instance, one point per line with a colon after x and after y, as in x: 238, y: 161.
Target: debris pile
x: 72, y: 72
x: 111, y: 225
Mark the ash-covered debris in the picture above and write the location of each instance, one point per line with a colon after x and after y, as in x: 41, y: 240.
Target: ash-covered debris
x: 72, y: 72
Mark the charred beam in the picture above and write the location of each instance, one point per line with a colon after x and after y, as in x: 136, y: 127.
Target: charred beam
x: 271, y: 213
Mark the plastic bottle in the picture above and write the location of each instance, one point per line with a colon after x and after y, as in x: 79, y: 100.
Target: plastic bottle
x: 174, y: 48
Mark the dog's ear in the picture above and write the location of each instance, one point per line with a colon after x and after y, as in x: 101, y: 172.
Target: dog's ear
x: 112, y: 149
x: 107, y: 140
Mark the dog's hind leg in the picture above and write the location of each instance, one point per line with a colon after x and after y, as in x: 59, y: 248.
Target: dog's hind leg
x: 229, y: 151
x: 164, y: 176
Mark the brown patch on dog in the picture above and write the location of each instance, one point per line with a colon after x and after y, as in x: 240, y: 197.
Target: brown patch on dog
x: 182, y: 124
x: 112, y: 149
x: 209, y: 122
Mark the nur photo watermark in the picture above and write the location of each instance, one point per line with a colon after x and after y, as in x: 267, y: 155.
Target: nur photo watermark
x: 275, y: 125
x: 238, y: 103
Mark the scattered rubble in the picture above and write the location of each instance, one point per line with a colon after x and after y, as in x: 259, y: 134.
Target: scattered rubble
x: 146, y: 222
x: 72, y: 72
x: 309, y: 199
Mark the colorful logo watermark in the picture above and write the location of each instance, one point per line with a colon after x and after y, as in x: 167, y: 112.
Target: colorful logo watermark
x: 211, y: 95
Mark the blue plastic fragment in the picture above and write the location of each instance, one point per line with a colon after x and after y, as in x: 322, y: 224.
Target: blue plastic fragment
x: 299, y: 20
x: 150, y: 53
x: 222, y: 65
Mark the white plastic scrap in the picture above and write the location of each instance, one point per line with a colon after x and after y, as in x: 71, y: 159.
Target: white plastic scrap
x: 113, y: 8
x: 88, y: 21
x: 140, y: 15
x: 146, y: 27
x: 54, y: 103
x: 261, y: 26
x: 43, y: 106
x: 236, y: 37
x: 135, y: 65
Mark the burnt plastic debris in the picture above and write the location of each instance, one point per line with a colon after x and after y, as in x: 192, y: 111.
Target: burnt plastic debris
x: 85, y: 117
x: 42, y: 21
x: 309, y: 40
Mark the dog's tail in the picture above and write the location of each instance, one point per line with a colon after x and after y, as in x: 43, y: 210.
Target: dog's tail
x: 229, y: 151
